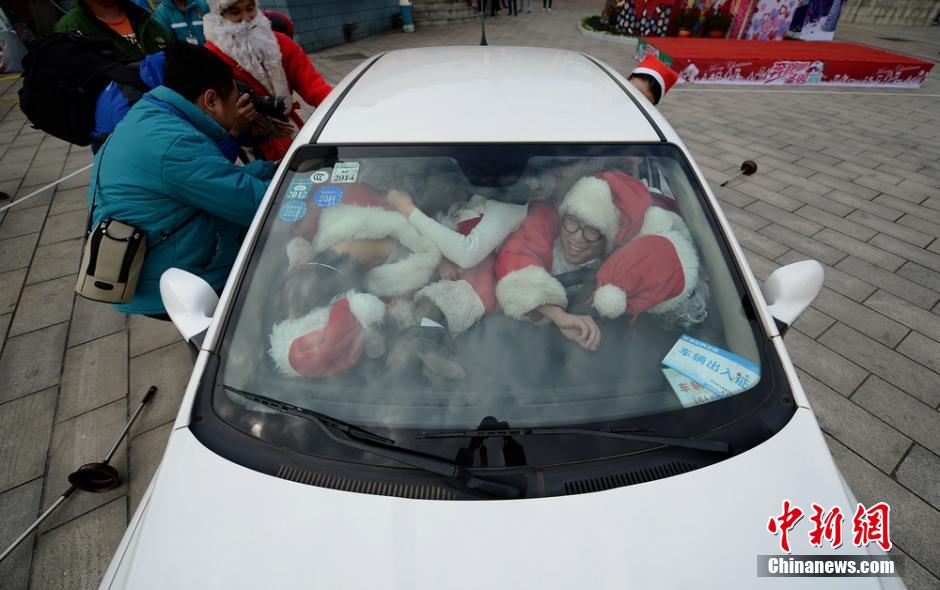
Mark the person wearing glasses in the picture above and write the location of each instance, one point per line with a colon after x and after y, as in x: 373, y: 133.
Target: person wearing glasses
x: 644, y: 258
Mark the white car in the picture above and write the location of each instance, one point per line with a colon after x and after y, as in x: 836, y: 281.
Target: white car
x: 535, y: 463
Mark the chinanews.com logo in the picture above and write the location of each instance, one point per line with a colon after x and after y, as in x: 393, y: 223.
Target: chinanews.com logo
x: 869, y: 526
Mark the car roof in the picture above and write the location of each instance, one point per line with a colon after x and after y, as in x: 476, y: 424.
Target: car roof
x: 486, y: 94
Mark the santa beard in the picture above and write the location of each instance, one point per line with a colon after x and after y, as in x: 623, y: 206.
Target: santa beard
x: 253, y: 46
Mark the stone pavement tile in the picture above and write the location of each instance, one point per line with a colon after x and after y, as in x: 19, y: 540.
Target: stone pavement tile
x: 914, y: 576
x: 760, y: 266
x: 4, y: 324
x: 11, y: 283
x: 920, y: 473
x: 863, y: 250
x: 65, y: 226
x: 19, y: 507
x: 31, y: 362
x: 860, y: 317
x: 842, y: 185
x: 49, y: 158
x: 26, y: 424
x: 890, y: 282
x: 813, y: 322
x: 935, y: 246
x: 908, y: 207
x: 21, y: 222
x: 34, y: 197
x: 12, y: 170
x: 22, y: 155
x: 915, y: 525
x: 742, y: 218
x: 169, y: 368
x: 838, y: 281
x: 905, y: 250
x: 870, y: 174
x: 822, y: 363
x: 773, y: 196
x: 95, y: 375
x: 148, y: 334
x: 916, y: 420
x: 921, y: 349
x: 851, y: 202
x: 826, y: 166
x: 76, y: 555
x: 67, y: 200
x: 760, y: 244
x: 808, y: 246
x: 884, y: 362
x: 793, y: 222
x: 78, y: 441
x: 55, y: 260
x: 910, y: 315
x: 80, y: 180
x: 731, y: 196
x: 879, y: 444
x: 890, y: 228
x: 37, y: 176
x: 44, y: 304
x: 146, y: 452
x: 17, y: 252
x: 91, y: 320
x: 836, y: 222
x: 920, y: 275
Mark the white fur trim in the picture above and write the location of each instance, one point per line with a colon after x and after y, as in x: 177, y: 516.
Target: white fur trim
x: 688, y: 258
x: 299, y: 250
x: 284, y: 333
x: 457, y: 300
x: 610, y: 301
x: 591, y: 201
x: 523, y: 290
x: 657, y: 221
x: 366, y: 308
x: 656, y: 76
x: 401, y: 314
x: 347, y: 222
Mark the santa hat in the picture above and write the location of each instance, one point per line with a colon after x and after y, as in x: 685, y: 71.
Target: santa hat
x: 612, y: 201
x: 663, y: 74
x: 328, y: 340
x: 217, y: 6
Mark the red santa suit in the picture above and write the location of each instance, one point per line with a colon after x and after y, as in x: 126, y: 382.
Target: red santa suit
x: 650, y: 262
x: 330, y: 339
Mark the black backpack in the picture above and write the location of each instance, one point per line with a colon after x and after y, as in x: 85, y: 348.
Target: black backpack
x: 62, y: 78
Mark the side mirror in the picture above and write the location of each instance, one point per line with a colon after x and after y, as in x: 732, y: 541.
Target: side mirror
x: 189, y: 301
x: 790, y: 289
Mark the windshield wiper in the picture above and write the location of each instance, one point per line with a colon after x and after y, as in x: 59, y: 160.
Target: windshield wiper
x: 363, y: 440
x: 716, y: 446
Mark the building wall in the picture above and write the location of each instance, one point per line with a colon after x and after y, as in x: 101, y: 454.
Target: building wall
x: 319, y: 23
x: 889, y: 12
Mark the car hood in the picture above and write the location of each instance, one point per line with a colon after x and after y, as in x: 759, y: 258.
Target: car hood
x: 208, y: 523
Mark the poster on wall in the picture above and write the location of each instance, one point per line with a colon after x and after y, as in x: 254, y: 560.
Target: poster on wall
x: 645, y: 18
x: 771, y: 20
x: 816, y: 20
x: 742, y: 11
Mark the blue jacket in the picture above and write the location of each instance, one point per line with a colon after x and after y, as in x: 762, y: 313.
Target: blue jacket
x: 162, y: 170
x: 186, y: 26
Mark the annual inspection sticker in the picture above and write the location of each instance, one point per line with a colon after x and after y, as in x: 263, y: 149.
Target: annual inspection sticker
x: 345, y: 172
x: 293, y: 210
x: 719, y: 371
x: 329, y: 195
x: 298, y: 188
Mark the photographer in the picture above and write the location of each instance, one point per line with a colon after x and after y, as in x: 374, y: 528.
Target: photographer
x: 270, y: 64
x: 162, y: 171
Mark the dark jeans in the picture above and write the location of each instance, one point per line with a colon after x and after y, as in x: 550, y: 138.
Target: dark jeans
x: 546, y: 3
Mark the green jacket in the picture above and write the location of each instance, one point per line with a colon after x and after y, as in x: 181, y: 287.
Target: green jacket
x: 150, y: 34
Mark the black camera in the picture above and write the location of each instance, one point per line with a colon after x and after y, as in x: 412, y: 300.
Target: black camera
x: 271, y: 106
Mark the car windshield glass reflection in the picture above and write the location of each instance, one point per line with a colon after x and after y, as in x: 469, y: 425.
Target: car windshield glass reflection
x: 429, y: 288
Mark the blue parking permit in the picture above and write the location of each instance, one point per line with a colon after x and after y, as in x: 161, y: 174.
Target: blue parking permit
x: 721, y: 372
x: 298, y: 188
x: 293, y: 210
x: 328, y: 196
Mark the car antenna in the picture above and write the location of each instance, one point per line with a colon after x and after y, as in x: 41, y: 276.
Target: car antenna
x: 483, y: 42
x: 748, y: 167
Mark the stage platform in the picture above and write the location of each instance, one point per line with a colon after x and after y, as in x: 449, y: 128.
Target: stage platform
x: 815, y: 63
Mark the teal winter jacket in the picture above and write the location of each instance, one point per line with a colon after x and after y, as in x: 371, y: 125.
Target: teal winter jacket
x: 185, y: 25
x: 161, y: 170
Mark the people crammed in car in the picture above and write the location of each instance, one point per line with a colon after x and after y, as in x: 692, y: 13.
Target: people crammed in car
x: 162, y: 171
x: 644, y: 258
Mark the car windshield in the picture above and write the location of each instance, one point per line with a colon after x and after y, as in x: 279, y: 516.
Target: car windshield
x: 348, y: 307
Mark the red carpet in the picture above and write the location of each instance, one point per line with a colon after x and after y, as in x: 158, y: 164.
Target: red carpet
x: 827, y: 63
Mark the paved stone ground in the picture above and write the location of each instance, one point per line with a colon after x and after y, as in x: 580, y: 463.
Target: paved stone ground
x: 851, y: 178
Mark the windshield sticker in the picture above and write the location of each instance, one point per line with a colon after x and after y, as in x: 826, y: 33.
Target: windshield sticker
x: 690, y: 393
x: 320, y: 176
x: 721, y: 372
x: 293, y: 210
x: 299, y: 188
x: 328, y: 195
x: 345, y: 172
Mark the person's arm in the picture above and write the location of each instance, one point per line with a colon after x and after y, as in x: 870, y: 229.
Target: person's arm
x: 577, y: 328
x: 304, y: 79
x: 196, y: 172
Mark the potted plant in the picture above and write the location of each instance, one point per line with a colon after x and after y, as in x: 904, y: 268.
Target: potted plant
x: 717, y: 22
x: 686, y: 21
